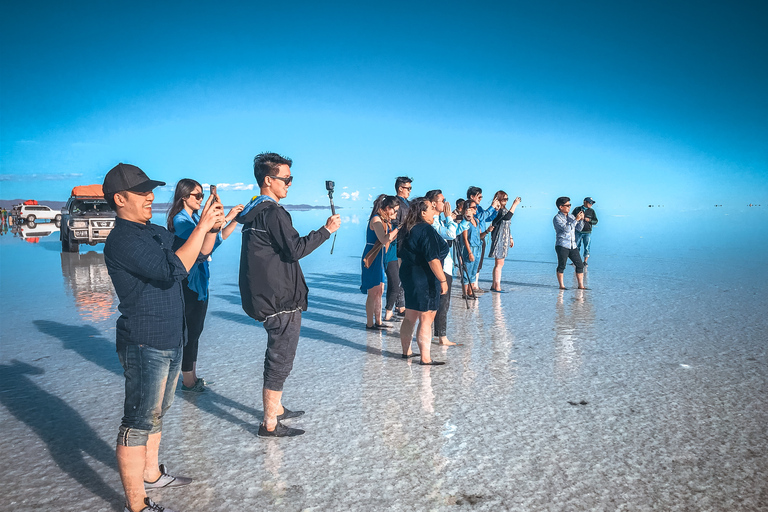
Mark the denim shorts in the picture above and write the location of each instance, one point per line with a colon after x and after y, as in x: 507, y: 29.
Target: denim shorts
x: 150, y: 384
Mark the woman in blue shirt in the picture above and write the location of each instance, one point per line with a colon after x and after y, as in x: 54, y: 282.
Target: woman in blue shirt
x: 182, y: 219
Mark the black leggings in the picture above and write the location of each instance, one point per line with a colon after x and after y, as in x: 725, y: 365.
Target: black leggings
x: 441, y: 318
x: 563, y: 253
x: 393, y: 284
x: 194, y: 314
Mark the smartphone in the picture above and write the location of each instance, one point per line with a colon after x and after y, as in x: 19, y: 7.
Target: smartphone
x: 213, y: 193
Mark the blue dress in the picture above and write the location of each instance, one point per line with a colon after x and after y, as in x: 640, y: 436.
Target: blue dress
x: 375, y: 274
x: 421, y: 245
x: 476, y: 244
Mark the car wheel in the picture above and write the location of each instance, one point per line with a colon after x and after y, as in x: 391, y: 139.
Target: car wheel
x: 31, y: 218
x: 57, y: 218
x: 73, y: 246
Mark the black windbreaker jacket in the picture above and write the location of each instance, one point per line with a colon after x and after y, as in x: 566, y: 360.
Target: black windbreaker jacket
x: 271, y: 280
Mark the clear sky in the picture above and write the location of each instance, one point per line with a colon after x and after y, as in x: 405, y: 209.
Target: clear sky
x: 632, y: 103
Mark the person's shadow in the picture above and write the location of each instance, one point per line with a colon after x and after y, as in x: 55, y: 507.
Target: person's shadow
x: 66, y: 434
x: 86, y: 340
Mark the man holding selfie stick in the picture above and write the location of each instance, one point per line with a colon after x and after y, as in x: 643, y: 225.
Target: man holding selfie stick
x: 147, y: 275
x: 272, y: 286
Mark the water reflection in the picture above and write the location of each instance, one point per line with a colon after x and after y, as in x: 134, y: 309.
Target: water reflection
x: 574, y: 320
x: 88, y: 281
x: 32, y: 232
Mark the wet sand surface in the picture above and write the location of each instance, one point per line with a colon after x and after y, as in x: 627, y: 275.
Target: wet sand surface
x: 646, y: 392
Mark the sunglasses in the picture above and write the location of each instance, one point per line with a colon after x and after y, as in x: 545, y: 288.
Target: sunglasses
x: 199, y: 196
x: 287, y: 180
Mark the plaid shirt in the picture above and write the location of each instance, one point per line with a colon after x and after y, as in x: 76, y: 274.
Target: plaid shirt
x: 147, y: 276
x: 565, y: 228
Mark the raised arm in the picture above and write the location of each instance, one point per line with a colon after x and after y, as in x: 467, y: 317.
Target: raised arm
x: 212, y: 214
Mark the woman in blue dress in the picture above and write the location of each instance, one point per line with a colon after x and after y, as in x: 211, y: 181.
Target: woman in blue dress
x: 182, y: 219
x: 472, y: 246
x: 373, y: 276
x: 422, y: 251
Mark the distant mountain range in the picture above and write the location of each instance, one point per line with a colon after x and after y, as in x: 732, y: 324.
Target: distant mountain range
x: 159, y: 207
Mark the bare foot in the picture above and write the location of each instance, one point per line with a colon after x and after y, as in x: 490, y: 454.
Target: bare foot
x: 563, y: 288
x: 445, y: 342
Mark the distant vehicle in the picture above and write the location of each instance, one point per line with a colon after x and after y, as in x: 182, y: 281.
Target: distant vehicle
x: 87, y: 218
x: 35, y: 212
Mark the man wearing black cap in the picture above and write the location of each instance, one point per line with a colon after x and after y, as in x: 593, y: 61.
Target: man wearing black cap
x: 584, y: 234
x: 147, y: 275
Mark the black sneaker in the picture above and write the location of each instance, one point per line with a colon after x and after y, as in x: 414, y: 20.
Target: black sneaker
x: 280, y: 431
x: 151, y: 506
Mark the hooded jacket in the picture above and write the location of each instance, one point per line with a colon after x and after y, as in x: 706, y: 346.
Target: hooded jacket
x: 271, y: 280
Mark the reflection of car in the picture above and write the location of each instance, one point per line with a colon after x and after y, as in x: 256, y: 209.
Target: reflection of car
x: 33, y: 212
x: 32, y: 232
x: 88, y: 218
x: 88, y: 281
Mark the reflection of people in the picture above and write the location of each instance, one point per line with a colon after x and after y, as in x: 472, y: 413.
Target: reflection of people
x: 446, y: 227
x: 182, y: 220
x: 422, y: 251
x: 565, y: 243
x: 272, y: 286
x: 501, y: 236
x: 147, y: 276
x: 379, y: 230
x: 584, y: 235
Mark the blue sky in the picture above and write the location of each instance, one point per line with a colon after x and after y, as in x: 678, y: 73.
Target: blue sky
x: 632, y: 103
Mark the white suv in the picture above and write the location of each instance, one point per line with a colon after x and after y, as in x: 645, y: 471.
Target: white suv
x: 33, y: 212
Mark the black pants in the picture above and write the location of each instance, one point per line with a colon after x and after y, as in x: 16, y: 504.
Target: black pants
x: 393, y: 284
x: 282, y: 340
x: 400, y: 302
x: 563, y: 253
x: 194, y: 315
x: 441, y: 318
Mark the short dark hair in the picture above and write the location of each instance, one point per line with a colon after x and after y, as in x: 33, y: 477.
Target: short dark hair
x: 472, y: 191
x: 110, y: 199
x: 268, y: 164
x: 561, y: 201
x: 432, y: 194
x: 400, y: 181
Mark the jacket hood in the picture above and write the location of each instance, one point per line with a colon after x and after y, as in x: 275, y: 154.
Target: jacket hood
x: 256, y: 205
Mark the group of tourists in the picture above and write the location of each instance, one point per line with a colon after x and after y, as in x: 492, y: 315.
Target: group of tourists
x: 408, y: 242
x: 161, y: 279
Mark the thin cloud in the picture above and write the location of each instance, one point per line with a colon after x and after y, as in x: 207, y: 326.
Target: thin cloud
x: 231, y: 186
x: 39, y: 177
x: 354, y: 196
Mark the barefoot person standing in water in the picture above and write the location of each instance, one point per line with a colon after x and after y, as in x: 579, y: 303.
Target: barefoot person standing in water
x: 565, y: 243
x: 272, y: 286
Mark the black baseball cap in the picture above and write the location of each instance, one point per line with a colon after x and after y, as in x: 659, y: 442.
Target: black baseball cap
x: 128, y: 177
x: 589, y: 200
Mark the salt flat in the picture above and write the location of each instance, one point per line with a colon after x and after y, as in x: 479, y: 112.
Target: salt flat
x: 646, y: 392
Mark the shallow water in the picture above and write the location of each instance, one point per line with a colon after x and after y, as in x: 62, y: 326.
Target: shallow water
x: 646, y: 392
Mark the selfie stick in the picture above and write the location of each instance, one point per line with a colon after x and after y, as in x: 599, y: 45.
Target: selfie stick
x: 329, y: 185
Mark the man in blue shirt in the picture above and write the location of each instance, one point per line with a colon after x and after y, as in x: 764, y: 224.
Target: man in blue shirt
x: 147, y: 275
